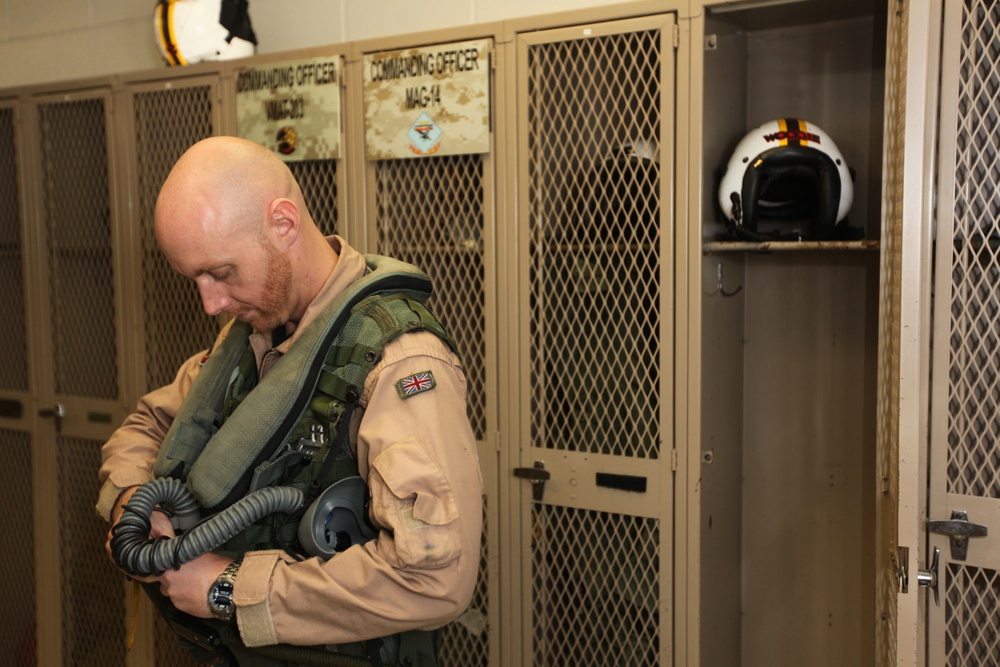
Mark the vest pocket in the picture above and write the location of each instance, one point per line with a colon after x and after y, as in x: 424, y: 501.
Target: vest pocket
x: 413, y: 500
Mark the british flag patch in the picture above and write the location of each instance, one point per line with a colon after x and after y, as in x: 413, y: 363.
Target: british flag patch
x: 415, y: 384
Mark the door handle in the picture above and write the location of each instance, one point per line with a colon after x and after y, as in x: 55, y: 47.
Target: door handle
x: 57, y: 413
x: 537, y: 475
x: 959, y: 529
x: 929, y: 578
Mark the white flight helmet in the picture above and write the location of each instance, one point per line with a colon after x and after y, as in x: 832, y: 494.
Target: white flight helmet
x: 191, y: 31
x: 786, y: 170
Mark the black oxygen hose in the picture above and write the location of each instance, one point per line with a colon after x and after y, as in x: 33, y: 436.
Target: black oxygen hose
x: 138, y: 555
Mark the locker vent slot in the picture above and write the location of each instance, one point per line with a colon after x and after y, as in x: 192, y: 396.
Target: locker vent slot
x: 632, y: 483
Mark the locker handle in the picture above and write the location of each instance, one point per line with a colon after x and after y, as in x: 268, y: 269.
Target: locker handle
x: 57, y: 413
x: 959, y: 529
x: 537, y: 475
x: 929, y: 578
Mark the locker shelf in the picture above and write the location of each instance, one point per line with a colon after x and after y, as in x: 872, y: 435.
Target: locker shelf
x: 789, y: 246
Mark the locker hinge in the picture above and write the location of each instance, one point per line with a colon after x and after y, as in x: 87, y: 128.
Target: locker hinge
x: 673, y: 460
x: 677, y: 36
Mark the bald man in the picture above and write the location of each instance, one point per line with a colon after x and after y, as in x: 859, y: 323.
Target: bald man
x: 231, y: 217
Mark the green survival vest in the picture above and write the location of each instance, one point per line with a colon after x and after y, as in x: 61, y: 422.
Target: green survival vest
x: 235, y: 434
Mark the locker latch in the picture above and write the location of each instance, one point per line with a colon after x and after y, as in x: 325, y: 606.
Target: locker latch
x: 929, y: 578
x: 901, y: 563
x: 959, y: 529
x: 57, y: 413
x: 537, y: 475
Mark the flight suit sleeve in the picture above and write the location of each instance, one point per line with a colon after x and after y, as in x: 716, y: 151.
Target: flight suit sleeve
x: 416, y: 450
x: 128, y: 455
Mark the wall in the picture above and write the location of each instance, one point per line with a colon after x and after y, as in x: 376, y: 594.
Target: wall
x: 44, y: 41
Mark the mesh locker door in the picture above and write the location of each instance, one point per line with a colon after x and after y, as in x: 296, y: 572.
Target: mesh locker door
x: 14, y: 357
x: 888, y: 471
x: 437, y: 213
x: 964, y: 629
x: 433, y: 213
x: 168, y: 120
x: 17, y: 556
x: 594, y: 129
x: 93, y: 607
x: 79, y: 353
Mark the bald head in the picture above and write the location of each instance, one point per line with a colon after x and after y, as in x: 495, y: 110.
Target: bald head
x: 231, y: 180
x: 231, y: 209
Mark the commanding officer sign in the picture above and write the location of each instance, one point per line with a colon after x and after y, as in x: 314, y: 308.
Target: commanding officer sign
x: 429, y: 101
x: 292, y: 107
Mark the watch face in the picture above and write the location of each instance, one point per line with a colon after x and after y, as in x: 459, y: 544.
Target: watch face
x: 220, y: 598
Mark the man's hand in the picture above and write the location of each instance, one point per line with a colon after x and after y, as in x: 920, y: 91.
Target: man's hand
x: 159, y: 522
x: 187, y: 587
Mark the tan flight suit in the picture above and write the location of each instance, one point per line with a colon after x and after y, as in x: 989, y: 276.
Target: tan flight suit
x: 418, y: 455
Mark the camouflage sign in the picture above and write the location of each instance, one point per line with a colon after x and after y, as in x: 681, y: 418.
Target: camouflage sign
x: 432, y: 100
x: 292, y: 107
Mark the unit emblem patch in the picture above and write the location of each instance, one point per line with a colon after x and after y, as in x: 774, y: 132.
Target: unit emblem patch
x: 415, y: 384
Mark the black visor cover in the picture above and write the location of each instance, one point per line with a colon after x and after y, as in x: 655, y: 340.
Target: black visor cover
x: 792, y: 183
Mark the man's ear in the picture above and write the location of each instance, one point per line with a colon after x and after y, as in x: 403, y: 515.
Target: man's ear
x: 284, y: 218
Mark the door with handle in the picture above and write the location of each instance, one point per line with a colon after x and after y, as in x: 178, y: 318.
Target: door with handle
x: 964, y: 466
x: 72, y: 211
x: 595, y: 502
x: 17, y: 555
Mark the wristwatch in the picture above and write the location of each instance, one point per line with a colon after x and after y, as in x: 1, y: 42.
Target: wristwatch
x: 220, y: 595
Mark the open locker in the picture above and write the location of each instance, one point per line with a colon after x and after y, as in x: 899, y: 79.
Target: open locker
x: 788, y: 359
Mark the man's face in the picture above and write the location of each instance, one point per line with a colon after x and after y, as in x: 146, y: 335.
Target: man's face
x: 249, y: 279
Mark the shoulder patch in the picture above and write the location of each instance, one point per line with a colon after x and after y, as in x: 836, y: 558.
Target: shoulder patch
x: 415, y: 384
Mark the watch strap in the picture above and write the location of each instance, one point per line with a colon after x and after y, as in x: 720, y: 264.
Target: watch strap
x: 229, y: 574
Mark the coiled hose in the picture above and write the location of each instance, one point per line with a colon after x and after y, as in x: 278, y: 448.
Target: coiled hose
x: 140, y: 556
